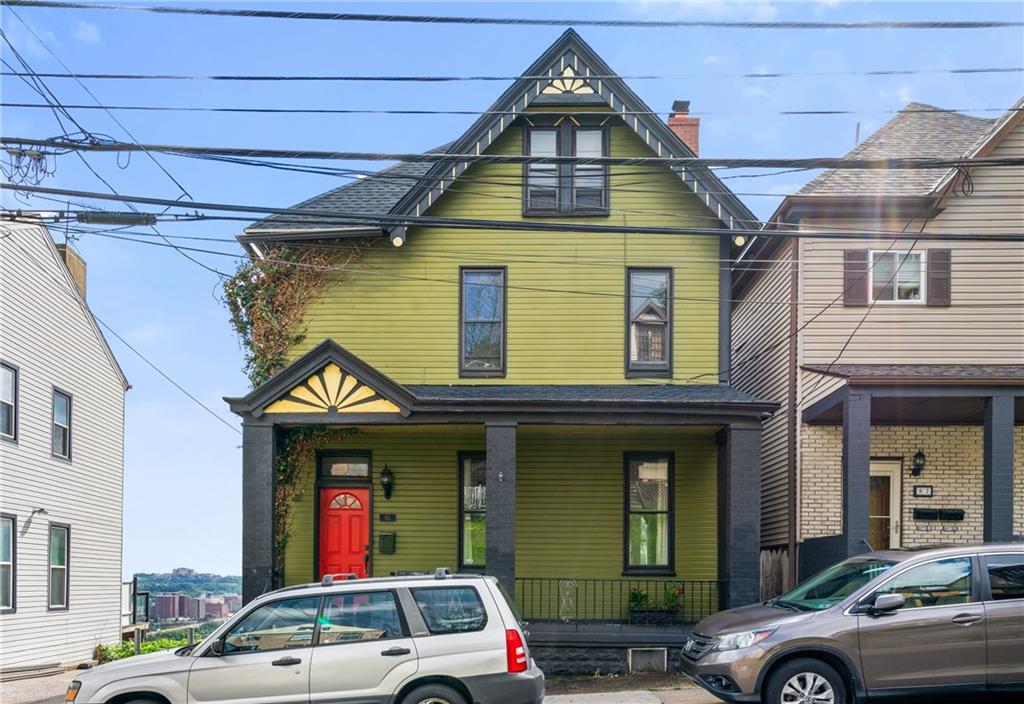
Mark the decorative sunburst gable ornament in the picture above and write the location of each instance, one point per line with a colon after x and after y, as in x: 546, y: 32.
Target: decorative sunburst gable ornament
x: 568, y: 82
x: 332, y: 390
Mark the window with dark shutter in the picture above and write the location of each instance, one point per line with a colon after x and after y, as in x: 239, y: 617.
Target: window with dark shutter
x: 855, y: 277
x: 939, y: 277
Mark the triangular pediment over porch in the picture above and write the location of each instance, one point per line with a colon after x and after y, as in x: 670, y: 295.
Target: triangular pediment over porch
x: 326, y: 380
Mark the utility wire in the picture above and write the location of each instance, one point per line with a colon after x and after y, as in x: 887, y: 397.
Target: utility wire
x: 413, y: 111
x: 275, y: 78
x: 89, y: 312
x: 339, y: 218
x: 901, y: 163
x: 513, y: 21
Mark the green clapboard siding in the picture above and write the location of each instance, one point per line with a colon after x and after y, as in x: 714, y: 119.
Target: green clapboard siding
x: 399, y: 311
x: 569, y: 499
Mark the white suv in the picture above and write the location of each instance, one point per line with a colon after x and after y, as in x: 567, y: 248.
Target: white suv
x: 446, y: 639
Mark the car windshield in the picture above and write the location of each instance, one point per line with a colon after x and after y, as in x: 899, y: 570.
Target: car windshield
x: 828, y: 588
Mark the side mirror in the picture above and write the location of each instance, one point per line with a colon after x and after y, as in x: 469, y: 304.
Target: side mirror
x: 887, y: 603
x: 217, y: 647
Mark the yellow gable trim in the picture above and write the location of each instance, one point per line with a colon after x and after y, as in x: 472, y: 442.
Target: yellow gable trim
x: 332, y: 389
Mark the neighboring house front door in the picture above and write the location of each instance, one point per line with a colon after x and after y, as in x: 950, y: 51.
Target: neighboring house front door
x: 344, y: 545
x: 885, y: 505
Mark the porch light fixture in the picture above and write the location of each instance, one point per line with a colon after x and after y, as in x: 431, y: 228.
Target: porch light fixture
x: 387, y: 481
x: 917, y: 464
x: 398, y: 238
x: 739, y: 240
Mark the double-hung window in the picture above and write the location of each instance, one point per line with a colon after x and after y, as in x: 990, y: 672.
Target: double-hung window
x: 8, y: 562
x: 649, y: 512
x: 572, y: 188
x: 482, y: 322
x: 59, y: 559
x: 649, y: 322
x: 472, y: 510
x: 897, y: 277
x: 61, y: 425
x: 8, y: 402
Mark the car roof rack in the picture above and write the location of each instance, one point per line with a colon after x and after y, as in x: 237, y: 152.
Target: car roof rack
x: 329, y: 579
x: 443, y: 573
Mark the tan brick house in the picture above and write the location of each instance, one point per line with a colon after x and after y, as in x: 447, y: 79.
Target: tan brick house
x: 899, y: 364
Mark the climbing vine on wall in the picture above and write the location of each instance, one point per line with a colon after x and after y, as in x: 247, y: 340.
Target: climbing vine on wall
x: 267, y: 299
x: 296, y: 450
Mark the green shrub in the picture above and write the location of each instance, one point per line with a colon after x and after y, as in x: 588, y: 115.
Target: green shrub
x: 125, y: 649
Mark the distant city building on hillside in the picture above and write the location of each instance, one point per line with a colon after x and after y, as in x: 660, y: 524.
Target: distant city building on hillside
x: 233, y: 602
x: 183, y: 572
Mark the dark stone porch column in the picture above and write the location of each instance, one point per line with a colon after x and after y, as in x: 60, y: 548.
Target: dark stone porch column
x: 739, y: 514
x: 997, y: 523
x: 501, y: 503
x: 258, y: 454
x: 856, y: 472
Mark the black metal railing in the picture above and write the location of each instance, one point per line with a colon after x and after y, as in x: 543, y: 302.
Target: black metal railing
x: 645, y: 602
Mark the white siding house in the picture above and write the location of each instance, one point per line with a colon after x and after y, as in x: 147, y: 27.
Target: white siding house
x: 61, y: 459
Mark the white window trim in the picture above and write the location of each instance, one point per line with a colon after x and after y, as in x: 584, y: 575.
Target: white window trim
x: 12, y: 563
x: 50, y: 567
x: 13, y: 402
x: 897, y: 301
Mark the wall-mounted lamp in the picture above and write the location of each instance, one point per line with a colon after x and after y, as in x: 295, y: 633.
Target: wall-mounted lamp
x: 917, y: 464
x: 387, y: 481
x: 40, y: 511
x: 739, y: 240
x: 398, y: 238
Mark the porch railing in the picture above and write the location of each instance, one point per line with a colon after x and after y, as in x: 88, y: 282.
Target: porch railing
x: 644, y: 602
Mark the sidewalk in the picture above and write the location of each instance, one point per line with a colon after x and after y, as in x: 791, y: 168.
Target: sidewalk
x: 48, y: 690
x: 686, y: 695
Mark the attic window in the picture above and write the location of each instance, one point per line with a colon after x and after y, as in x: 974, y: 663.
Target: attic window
x: 566, y: 189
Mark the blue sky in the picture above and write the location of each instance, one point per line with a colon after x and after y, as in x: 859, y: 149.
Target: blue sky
x: 182, y: 483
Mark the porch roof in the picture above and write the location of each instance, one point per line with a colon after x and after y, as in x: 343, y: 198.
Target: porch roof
x: 329, y: 384
x: 919, y: 394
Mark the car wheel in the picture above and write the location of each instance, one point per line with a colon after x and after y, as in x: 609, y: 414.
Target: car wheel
x: 434, y: 694
x: 806, y: 681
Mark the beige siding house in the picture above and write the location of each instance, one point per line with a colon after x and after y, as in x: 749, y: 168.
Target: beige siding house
x: 61, y: 460
x: 888, y: 353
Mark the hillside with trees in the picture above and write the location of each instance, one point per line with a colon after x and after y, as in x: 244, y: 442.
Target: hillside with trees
x: 189, y: 582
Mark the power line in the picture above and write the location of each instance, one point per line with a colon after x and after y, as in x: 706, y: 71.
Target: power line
x: 762, y: 75
x: 900, y: 163
x: 339, y: 218
x: 52, y: 99
x: 515, y: 21
x: 823, y: 112
x: 88, y: 311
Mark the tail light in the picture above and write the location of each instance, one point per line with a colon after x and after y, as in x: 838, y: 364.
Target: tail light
x: 515, y: 650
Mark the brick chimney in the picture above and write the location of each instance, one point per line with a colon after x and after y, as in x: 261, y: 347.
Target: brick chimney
x: 686, y: 128
x: 75, y: 264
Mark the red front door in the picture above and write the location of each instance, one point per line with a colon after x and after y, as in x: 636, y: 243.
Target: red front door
x: 344, y: 531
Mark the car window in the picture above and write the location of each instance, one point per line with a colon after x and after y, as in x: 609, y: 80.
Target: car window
x: 834, y: 584
x: 938, y: 583
x: 450, y: 609
x: 283, y: 624
x: 1006, y: 576
x: 360, y: 616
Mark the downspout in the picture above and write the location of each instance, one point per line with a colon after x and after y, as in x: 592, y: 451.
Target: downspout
x: 724, y: 308
x: 792, y: 409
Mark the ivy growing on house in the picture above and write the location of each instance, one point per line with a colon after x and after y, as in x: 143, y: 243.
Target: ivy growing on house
x: 296, y: 451
x: 267, y: 299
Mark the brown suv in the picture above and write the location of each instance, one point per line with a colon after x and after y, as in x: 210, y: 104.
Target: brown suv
x: 914, y: 622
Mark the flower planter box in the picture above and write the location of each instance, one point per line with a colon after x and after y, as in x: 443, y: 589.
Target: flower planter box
x: 652, y: 616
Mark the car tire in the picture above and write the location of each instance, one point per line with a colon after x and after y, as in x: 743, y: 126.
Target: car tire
x: 434, y: 694
x: 795, y: 679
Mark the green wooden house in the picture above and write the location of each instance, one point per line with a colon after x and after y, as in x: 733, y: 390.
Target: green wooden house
x: 546, y: 404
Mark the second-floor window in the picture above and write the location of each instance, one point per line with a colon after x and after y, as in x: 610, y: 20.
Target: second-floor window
x: 61, y: 425
x: 8, y: 401
x: 649, y: 322
x: 897, y: 277
x: 482, y: 341
x: 566, y: 189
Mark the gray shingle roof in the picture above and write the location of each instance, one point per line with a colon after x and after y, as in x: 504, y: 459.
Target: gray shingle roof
x: 938, y: 372
x: 577, y: 393
x: 910, y: 134
x: 368, y: 196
